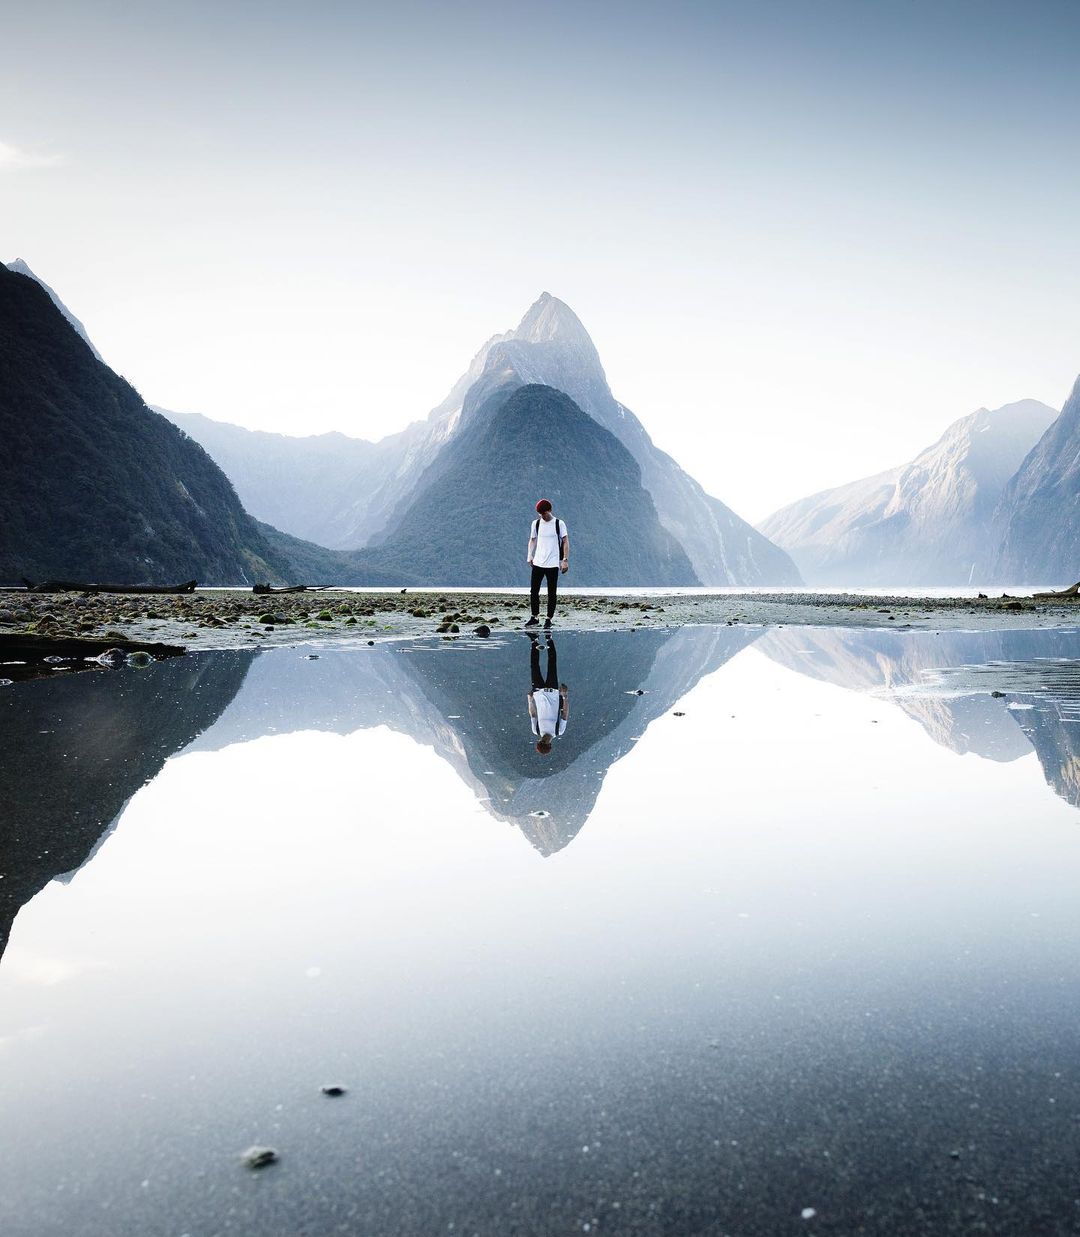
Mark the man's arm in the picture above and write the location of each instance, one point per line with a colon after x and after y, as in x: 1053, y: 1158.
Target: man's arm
x: 565, y: 564
x: 564, y: 703
x: 532, y: 549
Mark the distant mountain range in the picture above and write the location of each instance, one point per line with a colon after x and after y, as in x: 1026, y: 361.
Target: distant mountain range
x: 346, y: 493
x: 935, y: 521
x: 94, y: 483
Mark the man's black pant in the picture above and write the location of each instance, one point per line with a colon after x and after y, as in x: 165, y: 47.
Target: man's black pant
x: 552, y: 576
x: 551, y: 679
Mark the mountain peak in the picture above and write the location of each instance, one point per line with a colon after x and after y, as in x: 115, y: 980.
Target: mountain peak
x: 549, y: 319
x: 20, y: 267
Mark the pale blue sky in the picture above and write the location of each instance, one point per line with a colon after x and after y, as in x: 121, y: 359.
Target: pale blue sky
x: 804, y: 236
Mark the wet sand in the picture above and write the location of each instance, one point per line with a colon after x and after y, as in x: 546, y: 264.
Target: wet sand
x: 235, y: 618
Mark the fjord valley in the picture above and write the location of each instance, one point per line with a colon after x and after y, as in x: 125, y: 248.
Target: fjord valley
x: 104, y: 487
x: 487, y: 761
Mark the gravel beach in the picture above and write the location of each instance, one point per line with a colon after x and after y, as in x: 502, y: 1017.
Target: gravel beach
x: 233, y: 618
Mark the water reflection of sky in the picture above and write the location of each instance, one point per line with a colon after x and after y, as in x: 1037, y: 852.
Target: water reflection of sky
x: 796, y: 953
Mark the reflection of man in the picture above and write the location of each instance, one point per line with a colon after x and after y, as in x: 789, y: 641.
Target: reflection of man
x: 549, y: 704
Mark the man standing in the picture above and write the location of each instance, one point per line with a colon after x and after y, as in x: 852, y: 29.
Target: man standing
x: 549, y: 554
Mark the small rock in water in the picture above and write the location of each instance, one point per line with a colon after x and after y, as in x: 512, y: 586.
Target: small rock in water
x: 266, y: 618
x: 260, y: 1157
x: 483, y: 630
x: 6, y: 682
x: 808, y: 1213
x: 52, y: 661
x: 140, y: 658
x: 371, y: 642
x: 332, y: 1089
x: 111, y: 657
x: 998, y: 695
x: 311, y: 657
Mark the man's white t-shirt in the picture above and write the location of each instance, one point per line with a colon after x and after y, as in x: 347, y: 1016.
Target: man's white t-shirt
x: 547, y: 719
x: 547, y: 553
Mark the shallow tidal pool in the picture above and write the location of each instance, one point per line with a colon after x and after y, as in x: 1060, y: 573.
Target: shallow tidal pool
x: 781, y: 936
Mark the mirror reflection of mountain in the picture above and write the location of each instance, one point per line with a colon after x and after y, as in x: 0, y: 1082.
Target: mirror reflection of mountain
x: 77, y: 747
x: 951, y: 676
x: 470, y: 703
x: 1042, y: 696
x: 1053, y: 727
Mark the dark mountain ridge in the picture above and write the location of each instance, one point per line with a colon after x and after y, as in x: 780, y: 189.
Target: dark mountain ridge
x: 95, y: 485
x: 19, y: 267
x: 1038, y: 517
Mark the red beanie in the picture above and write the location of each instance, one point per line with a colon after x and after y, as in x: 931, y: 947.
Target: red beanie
x: 542, y: 506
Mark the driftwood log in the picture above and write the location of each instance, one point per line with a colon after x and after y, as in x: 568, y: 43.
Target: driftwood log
x: 76, y: 586
x: 1066, y: 594
x: 264, y: 589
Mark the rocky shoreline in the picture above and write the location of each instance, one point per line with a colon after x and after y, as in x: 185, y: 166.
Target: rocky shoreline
x: 233, y: 618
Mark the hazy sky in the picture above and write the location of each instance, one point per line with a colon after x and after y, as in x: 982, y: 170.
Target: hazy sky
x: 804, y: 236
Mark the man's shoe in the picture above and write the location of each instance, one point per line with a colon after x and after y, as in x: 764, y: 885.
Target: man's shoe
x: 533, y: 622
x: 547, y: 624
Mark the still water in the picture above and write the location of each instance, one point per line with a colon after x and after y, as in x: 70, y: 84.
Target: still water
x: 781, y: 936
